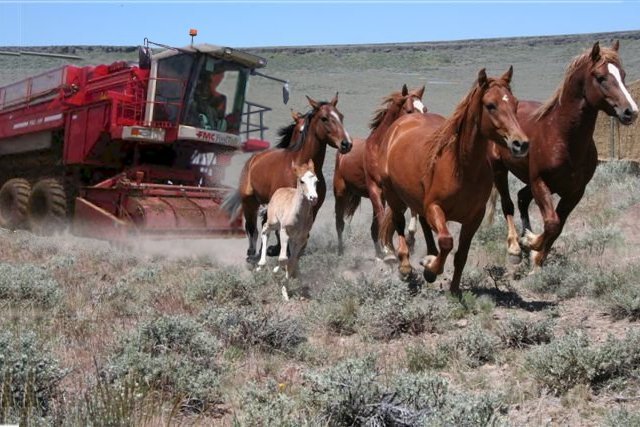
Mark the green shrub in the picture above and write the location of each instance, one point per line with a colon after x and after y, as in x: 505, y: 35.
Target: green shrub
x: 172, y: 354
x: 246, y: 327
x: 519, y: 333
x: 28, y: 284
x: 29, y: 376
x: 227, y: 285
x: 624, y: 302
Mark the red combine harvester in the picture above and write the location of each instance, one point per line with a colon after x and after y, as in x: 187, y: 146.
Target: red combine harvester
x: 129, y: 150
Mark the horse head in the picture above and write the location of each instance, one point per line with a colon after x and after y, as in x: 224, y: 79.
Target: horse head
x: 327, y: 121
x: 498, y: 116
x: 604, y: 86
x: 411, y: 101
x: 307, y: 180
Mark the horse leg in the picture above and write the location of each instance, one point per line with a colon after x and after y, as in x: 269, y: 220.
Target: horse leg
x: 263, y: 250
x: 377, y: 201
x: 375, y: 232
x: 398, y: 208
x: 250, y: 208
x: 536, y: 242
x: 552, y: 232
x: 501, y: 181
x: 433, y: 266
x: 524, y: 200
x: 467, y: 232
x: 340, y: 208
x: 432, y: 249
x: 413, y: 227
x: 282, y: 258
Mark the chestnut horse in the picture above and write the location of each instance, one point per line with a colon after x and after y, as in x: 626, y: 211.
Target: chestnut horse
x: 349, y: 182
x: 374, y: 151
x: 445, y: 175
x: 269, y: 170
x: 563, y: 156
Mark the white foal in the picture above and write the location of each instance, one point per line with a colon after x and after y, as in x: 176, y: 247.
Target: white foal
x: 291, y: 211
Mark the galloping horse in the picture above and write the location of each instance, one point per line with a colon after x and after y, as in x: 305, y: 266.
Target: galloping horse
x: 373, y: 153
x: 269, y: 170
x: 349, y: 180
x: 563, y: 156
x: 445, y: 175
x: 290, y: 210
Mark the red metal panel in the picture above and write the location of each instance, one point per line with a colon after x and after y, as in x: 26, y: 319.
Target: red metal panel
x: 83, y: 129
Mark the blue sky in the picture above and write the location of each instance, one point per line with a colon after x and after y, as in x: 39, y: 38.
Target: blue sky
x: 272, y: 23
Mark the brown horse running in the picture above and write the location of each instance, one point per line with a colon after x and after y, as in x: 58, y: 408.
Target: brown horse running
x: 349, y: 181
x: 563, y: 156
x: 269, y: 170
x: 374, y: 151
x: 445, y: 175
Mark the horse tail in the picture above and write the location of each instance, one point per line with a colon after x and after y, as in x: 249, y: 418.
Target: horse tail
x: 232, y: 204
x: 491, y: 207
x: 386, y: 230
x: 352, y: 202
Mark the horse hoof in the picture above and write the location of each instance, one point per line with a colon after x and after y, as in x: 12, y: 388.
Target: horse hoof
x: 251, y: 260
x: 273, y: 250
x: 514, y: 259
x: 426, y: 261
x: 390, y: 259
x: 429, y: 275
x: 276, y: 269
x: 405, y: 270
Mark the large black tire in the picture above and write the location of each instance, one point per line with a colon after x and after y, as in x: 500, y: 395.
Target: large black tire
x: 47, y: 207
x: 14, y: 200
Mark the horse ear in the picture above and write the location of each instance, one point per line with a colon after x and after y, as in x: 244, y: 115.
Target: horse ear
x: 420, y: 92
x: 482, y: 77
x: 616, y: 45
x: 314, y: 104
x: 508, y: 74
x: 311, y: 165
x: 334, y: 101
x: 595, y: 52
x: 405, y: 91
x: 295, y: 115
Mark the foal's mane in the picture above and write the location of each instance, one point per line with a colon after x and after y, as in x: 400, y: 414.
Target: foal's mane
x: 460, y: 127
x: 387, y: 102
x: 584, y: 59
x: 286, y: 132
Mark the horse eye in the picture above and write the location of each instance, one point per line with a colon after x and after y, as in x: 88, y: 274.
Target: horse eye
x: 324, y: 119
x: 601, y: 79
x: 491, y: 107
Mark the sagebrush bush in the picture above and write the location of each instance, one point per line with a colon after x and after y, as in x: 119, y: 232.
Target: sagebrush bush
x: 622, y: 417
x: 29, y: 376
x: 421, y: 357
x: 477, y: 346
x: 566, y: 362
x: 28, y: 284
x: 226, y: 285
x: 270, y: 405
x: 172, y: 354
x: 354, y: 393
x: 518, y: 333
x: 250, y: 326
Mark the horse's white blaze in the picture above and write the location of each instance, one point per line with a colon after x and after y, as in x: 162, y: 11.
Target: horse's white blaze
x: 418, y: 105
x: 505, y: 98
x: 613, y: 70
x: 302, y: 128
x: 309, y: 179
x: 336, y: 116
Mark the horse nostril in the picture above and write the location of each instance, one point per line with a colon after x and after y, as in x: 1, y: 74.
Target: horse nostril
x: 345, y: 145
x: 516, y: 143
x: 524, y: 146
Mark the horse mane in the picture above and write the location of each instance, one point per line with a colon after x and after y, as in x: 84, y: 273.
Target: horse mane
x: 286, y: 132
x: 606, y: 55
x: 460, y: 125
x: 379, y: 114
